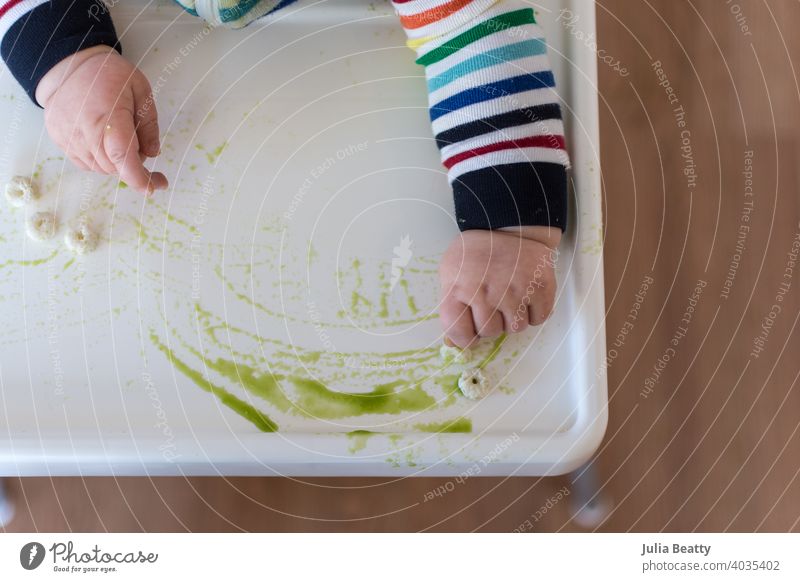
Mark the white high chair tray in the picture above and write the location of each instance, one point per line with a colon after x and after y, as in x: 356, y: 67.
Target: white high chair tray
x: 291, y: 264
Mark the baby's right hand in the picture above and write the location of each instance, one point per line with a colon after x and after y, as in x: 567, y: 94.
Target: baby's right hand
x: 99, y: 110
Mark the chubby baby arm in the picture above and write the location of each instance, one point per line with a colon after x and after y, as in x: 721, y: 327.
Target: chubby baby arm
x: 99, y: 110
x: 98, y: 107
x: 497, y: 122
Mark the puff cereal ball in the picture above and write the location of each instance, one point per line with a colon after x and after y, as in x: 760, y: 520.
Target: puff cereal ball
x: 41, y: 226
x: 81, y: 239
x: 20, y: 192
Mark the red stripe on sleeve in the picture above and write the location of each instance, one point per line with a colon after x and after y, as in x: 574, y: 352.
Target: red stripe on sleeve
x: 555, y: 142
x: 8, y: 6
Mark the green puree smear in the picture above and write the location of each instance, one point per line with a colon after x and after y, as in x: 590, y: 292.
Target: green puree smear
x: 29, y: 262
x: 214, y: 154
x: 495, y: 351
x: 359, y: 439
x: 303, y: 396
x: 241, y: 407
x: 455, y: 425
x: 311, y: 398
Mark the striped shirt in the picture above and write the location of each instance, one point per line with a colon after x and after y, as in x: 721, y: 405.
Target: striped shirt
x: 233, y: 13
x: 494, y: 108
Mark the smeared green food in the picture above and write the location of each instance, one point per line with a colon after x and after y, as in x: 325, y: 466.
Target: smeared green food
x: 176, y: 220
x: 293, y: 380
x: 311, y: 398
x: 205, y: 319
x: 494, y: 352
x: 412, y: 305
x: 456, y: 425
x: 214, y: 154
x: 251, y: 413
x: 369, y: 311
x: 449, y: 384
x: 143, y: 238
x: 384, y: 312
x: 357, y: 298
x: 29, y: 262
x: 311, y: 254
x: 359, y: 438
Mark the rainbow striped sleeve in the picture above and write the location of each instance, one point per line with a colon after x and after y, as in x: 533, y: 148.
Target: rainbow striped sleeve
x: 494, y: 109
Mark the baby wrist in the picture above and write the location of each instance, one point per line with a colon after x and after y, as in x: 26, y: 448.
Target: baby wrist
x: 548, y: 236
x: 53, y: 79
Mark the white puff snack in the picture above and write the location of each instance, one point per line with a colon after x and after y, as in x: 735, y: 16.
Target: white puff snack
x: 20, y: 192
x: 455, y: 355
x: 474, y: 384
x: 41, y: 226
x: 81, y: 239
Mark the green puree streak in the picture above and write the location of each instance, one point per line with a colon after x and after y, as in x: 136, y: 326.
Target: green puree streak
x: 29, y: 262
x: 313, y: 399
x: 455, y: 425
x: 241, y: 407
x: 498, y: 343
x: 359, y: 439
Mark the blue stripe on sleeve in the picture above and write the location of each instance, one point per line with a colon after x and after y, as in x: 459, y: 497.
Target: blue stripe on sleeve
x: 540, y: 80
x: 503, y: 54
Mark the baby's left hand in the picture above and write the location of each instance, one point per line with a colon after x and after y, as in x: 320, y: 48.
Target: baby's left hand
x: 497, y: 281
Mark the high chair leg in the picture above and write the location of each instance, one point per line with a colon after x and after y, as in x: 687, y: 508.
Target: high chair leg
x: 6, y: 506
x: 588, y: 505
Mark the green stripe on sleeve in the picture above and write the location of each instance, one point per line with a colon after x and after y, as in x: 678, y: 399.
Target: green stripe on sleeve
x: 477, y: 32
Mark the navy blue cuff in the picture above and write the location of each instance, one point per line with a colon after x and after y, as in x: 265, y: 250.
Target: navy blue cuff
x: 520, y: 194
x: 50, y: 33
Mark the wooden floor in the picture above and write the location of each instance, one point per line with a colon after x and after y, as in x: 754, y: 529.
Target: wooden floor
x: 707, y: 441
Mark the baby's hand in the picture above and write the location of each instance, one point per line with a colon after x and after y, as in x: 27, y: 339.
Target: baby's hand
x: 497, y: 281
x: 99, y: 110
